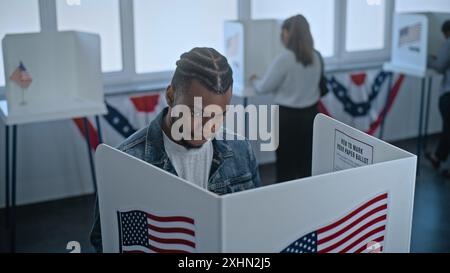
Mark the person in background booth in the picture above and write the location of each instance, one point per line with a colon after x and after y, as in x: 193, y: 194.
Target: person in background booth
x: 293, y: 78
x: 441, y: 63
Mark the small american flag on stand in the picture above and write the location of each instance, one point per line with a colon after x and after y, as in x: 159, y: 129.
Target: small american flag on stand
x: 142, y: 232
x: 361, y: 230
x: 21, y: 77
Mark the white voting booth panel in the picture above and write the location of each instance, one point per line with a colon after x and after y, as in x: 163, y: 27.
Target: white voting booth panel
x: 250, y: 47
x: 414, y: 37
x: 128, y: 184
x: 332, y: 211
x: 65, y: 68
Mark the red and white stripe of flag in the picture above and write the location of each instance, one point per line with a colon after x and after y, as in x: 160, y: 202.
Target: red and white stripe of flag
x: 169, y: 234
x: 362, y: 230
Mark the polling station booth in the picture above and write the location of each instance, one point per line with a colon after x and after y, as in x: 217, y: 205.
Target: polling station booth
x: 50, y: 76
x: 415, y: 36
x: 359, y: 199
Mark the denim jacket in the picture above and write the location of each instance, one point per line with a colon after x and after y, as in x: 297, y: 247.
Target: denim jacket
x: 233, y: 168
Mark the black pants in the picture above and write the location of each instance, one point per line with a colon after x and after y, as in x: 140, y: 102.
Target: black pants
x: 294, y: 153
x: 443, y: 148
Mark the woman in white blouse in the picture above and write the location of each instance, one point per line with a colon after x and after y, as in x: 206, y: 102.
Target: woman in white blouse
x: 293, y: 78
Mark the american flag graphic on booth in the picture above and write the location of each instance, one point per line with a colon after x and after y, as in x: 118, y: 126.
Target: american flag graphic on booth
x: 410, y: 34
x: 360, y: 231
x: 143, y: 232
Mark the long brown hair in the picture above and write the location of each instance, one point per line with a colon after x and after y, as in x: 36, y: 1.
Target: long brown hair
x: 300, y: 39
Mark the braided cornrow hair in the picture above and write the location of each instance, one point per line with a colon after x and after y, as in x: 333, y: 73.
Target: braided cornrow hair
x: 207, y: 66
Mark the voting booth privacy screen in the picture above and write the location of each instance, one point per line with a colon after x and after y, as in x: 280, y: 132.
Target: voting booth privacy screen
x: 414, y: 37
x: 250, y: 47
x: 359, y: 199
x: 52, y: 75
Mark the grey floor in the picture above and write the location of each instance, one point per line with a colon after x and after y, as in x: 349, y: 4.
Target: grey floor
x: 49, y: 226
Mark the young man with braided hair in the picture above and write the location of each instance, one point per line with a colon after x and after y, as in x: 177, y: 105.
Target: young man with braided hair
x: 221, y: 166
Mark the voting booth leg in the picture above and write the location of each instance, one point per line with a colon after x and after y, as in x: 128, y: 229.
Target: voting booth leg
x: 427, y: 112
x: 99, y: 129
x: 7, y: 192
x: 245, y: 102
x: 420, y: 135
x: 13, y: 190
x: 385, y: 112
x: 91, y: 161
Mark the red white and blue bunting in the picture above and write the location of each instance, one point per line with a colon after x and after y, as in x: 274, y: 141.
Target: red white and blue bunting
x: 361, y: 100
